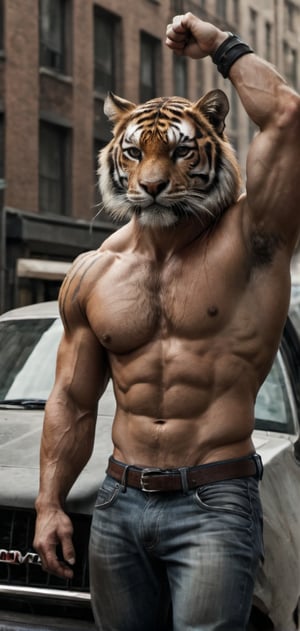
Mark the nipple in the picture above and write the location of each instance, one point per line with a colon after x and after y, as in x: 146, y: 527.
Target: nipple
x: 106, y: 339
x: 212, y: 311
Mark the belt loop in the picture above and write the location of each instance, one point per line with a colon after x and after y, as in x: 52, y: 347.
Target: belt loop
x: 124, y: 478
x: 259, y: 466
x: 184, y: 480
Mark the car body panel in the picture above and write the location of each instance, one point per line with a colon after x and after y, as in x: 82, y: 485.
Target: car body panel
x: 20, y: 436
x: 278, y: 582
x: 39, y: 310
x: 27, y: 622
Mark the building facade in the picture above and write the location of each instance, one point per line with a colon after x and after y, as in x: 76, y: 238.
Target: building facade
x: 58, y: 60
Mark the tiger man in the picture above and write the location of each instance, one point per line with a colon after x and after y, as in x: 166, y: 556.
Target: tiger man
x: 183, y: 308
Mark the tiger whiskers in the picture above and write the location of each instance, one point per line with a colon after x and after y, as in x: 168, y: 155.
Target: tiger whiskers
x: 101, y: 209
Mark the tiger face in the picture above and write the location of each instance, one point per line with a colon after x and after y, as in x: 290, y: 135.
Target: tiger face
x: 169, y: 160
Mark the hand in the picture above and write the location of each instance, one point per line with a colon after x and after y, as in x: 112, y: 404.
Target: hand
x: 53, y: 527
x: 190, y: 36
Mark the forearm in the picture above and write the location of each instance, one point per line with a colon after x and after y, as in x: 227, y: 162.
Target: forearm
x: 66, y: 446
x: 265, y: 95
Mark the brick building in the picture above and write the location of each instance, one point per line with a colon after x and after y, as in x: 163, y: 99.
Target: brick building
x: 58, y: 59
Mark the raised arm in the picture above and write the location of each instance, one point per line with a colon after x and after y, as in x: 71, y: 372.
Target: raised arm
x: 68, y: 434
x: 273, y: 193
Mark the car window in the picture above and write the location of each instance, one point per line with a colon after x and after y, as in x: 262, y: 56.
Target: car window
x: 294, y: 313
x: 295, y: 292
x: 274, y: 408
x: 28, y: 357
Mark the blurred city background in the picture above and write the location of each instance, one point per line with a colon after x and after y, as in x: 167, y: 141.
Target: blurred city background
x: 58, y: 60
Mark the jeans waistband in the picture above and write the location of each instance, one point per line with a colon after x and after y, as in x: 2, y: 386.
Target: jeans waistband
x: 155, y: 480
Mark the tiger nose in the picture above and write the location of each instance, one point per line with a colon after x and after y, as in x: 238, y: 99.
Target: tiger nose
x: 155, y: 187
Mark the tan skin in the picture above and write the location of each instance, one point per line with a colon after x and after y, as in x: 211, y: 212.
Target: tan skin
x: 186, y: 320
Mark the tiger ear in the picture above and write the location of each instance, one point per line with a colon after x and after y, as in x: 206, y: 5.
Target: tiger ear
x: 115, y: 106
x: 215, y: 106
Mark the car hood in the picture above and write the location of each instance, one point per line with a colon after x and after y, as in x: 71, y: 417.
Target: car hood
x: 20, y: 435
x: 269, y: 445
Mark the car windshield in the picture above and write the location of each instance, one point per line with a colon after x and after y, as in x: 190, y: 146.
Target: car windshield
x: 27, y: 359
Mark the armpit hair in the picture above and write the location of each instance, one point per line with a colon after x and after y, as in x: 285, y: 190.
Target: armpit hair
x: 263, y: 247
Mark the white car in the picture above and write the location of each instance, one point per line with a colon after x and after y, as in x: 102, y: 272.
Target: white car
x: 28, y: 340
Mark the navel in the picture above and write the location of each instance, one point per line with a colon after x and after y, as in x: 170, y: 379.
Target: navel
x: 212, y: 311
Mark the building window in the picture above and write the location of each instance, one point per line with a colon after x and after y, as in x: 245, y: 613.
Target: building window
x: 253, y: 28
x: 236, y: 12
x: 52, y: 34
x: 234, y: 108
x: 1, y: 25
x: 180, y: 76
x: 98, y: 145
x: 98, y: 210
x: 177, y: 7
x: 290, y: 57
x: 232, y: 125
x: 290, y: 16
x: 268, y: 41
x: 53, y: 169
x: 1, y: 147
x: 105, y: 39
x: 200, y: 80
x: 221, y: 9
x: 148, y: 67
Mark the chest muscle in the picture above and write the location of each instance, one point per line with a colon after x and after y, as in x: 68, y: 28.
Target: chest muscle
x: 181, y: 300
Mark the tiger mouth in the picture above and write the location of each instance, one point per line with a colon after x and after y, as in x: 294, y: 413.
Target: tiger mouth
x: 157, y: 216
x: 153, y: 208
x: 169, y: 213
x: 158, y: 209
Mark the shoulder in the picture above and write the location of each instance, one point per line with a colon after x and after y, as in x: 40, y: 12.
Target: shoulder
x: 85, y: 272
x: 94, y: 262
x: 73, y: 288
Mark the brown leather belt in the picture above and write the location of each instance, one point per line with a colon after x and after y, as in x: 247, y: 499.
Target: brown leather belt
x: 153, y: 480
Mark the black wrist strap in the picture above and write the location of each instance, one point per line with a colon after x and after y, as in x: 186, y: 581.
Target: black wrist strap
x: 230, y: 50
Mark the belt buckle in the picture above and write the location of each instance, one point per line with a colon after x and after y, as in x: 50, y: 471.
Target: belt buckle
x: 147, y: 473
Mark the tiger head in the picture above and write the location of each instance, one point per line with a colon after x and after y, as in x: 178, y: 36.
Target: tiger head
x: 169, y: 159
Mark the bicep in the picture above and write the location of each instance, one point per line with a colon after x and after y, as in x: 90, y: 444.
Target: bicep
x: 273, y: 196
x: 82, y: 370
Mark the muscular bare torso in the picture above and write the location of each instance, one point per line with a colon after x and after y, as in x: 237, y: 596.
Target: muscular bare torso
x: 190, y: 334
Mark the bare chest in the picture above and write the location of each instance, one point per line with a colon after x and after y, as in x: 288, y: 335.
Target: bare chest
x: 140, y: 304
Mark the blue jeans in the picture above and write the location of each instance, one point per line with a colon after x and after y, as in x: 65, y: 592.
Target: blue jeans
x: 175, y: 561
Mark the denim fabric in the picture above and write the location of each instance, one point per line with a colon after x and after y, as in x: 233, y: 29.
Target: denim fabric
x: 174, y: 561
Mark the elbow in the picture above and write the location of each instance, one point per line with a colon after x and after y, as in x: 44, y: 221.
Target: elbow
x: 289, y: 111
